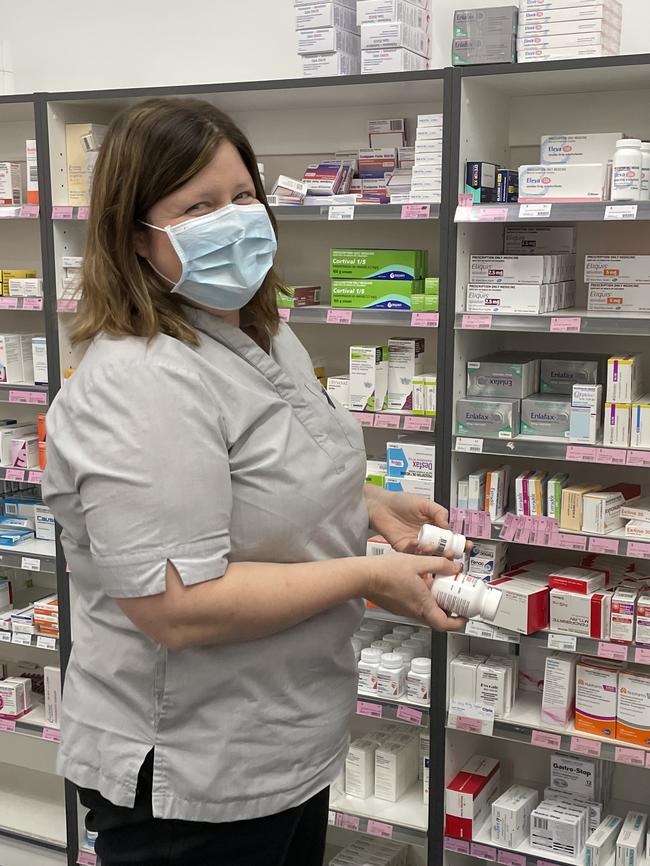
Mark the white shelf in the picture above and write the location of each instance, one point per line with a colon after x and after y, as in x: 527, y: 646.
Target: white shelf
x: 31, y: 806
x: 589, y: 322
x: 554, y: 448
x: 408, y: 817
x: 386, y: 616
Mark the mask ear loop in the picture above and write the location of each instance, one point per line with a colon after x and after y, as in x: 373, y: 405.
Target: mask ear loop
x: 149, y: 262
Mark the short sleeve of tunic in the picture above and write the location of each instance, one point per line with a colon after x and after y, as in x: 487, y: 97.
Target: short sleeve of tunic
x: 141, y: 452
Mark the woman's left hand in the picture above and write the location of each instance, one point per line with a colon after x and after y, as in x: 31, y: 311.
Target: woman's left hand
x: 400, y: 516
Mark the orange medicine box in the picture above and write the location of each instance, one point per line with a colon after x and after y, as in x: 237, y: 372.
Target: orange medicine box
x: 633, y: 722
x: 596, y: 698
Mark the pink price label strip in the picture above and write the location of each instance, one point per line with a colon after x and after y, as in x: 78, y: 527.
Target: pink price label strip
x: 339, y: 317
x: 32, y: 303
x: 35, y: 476
x: 490, y: 215
x: 425, y: 320
x: 638, y: 549
x: 347, y: 822
x: 604, y: 545
x: 459, y: 846
x: 375, y: 711
x: 8, y: 303
x: 580, y: 454
x: 466, y: 723
x: 647, y: 761
x: 642, y: 656
x: 29, y: 211
x: 418, y: 423
x: 82, y: 213
x: 509, y: 527
x: 15, y: 475
x: 633, y: 757
x: 27, y: 397
x: 638, y: 458
x: 546, y: 741
x: 52, y: 735
x: 612, y: 651
x: 284, y: 313
x: 66, y: 305
x: 378, y: 828
x: 476, y: 322
x: 409, y: 714
x: 614, y: 456
x: 565, y: 325
x: 585, y: 747
x: 483, y: 852
x: 87, y: 858
x: 8, y: 726
x: 390, y: 422
x: 465, y: 199
x: 366, y: 419
x: 509, y: 858
x: 62, y: 213
x: 415, y: 212
x: 567, y: 541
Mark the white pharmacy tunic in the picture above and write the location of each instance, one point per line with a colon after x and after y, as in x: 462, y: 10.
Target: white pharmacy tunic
x: 203, y: 456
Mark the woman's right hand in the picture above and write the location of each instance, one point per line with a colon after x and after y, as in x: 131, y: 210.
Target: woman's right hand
x: 401, y: 584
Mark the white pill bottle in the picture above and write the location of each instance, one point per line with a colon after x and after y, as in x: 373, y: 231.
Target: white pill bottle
x: 626, y: 172
x: 418, y: 681
x: 466, y: 596
x: 391, y: 676
x: 368, y: 668
x: 444, y: 541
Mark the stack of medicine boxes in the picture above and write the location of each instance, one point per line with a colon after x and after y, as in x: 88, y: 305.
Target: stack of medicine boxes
x: 395, y: 35
x: 563, y: 31
x: 328, y: 38
x: 484, y: 36
x: 377, y: 279
x: 426, y: 182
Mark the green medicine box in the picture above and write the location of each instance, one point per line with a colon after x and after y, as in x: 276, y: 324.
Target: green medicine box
x: 381, y: 265
x: 375, y: 294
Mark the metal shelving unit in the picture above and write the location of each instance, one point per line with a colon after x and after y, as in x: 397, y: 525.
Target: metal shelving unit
x: 482, y: 108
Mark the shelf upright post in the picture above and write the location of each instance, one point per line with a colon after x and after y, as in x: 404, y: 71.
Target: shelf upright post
x: 54, y: 384
x: 444, y: 420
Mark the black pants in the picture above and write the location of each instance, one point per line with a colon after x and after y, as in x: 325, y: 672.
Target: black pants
x: 295, y: 837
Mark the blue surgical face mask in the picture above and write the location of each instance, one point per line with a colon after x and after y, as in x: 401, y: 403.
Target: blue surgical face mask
x: 225, y: 255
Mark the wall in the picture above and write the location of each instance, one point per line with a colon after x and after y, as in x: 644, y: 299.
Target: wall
x: 126, y: 43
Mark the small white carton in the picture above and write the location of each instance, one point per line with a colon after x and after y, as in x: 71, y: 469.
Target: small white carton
x: 623, y: 378
x: 571, y: 148
x: 463, y: 670
x: 601, y: 845
x: 575, y: 775
x: 511, y: 815
x: 614, y: 269
x: 405, y: 363
x: 360, y: 768
x: 617, y: 422
x: 368, y: 378
x: 631, y: 840
x: 52, y: 682
x: 558, y: 699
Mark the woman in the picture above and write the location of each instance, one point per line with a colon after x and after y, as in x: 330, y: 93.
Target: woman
x: 214, y: 518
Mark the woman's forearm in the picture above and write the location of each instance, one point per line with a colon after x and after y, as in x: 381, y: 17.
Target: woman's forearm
x: 252, y: 600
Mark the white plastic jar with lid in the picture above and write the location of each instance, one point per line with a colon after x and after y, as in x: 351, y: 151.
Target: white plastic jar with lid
x: 404, y: 631
x: 418, y: 647
x: 372, y: 625
x: 645, y: 171
x: 391, y: 676
x: 365, y: 639
x: 443, y: 541
x: 626, y: 171
x: 466, y: 596
x: 369, y: 632
x: 407, y: 653
x: 381, y: 645
x: 418, y: 682
x: 357, y: 646
x: 368, y: 668
x: 393, y: 640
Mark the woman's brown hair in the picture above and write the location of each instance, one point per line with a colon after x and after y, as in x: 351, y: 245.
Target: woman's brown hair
x: 150, y: 150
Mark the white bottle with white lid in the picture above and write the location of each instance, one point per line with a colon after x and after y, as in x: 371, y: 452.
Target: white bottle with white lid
x: 626, y: 171
x: 391, y: 676
x: 466, y: 596
x: 393, y: 640
x: 418, y: 681
x: 645, y: 171
x: 364, y: 638
x: 442, y: 540
x: 368, y: 667
x: 381, y: 645
x: 404, y: 631
x: 406, y: 653
x: 417, y: 644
